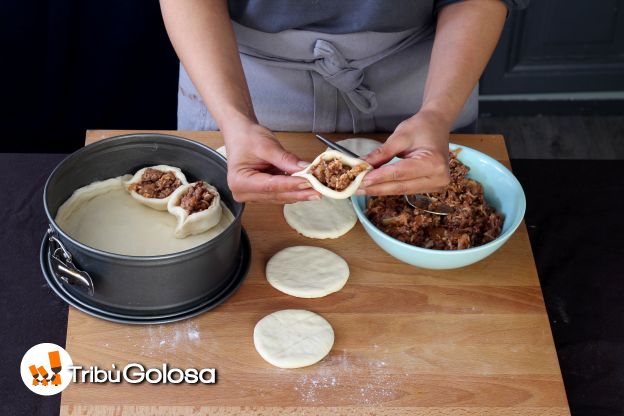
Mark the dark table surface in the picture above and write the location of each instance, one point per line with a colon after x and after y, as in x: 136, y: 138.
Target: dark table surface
x: 575, y: 217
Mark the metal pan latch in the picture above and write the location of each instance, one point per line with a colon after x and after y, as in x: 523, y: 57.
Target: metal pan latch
x: 64, y: 268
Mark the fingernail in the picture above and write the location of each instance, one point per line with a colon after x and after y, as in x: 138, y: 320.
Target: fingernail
x: 314, y: 198
x: 305, y: 185
x: 303, y: 164
x: 360, y: 192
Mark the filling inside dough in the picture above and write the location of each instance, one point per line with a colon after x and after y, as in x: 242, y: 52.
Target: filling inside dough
x: 156, y: 184
x: 197, y: 198
x: 197, y: 207
x: 336, y: 175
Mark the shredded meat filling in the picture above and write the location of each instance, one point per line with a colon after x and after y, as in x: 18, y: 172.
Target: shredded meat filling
x: 336, y: 175
x: 156, y: 184
x: 472, y: 223
x: 197, y: 198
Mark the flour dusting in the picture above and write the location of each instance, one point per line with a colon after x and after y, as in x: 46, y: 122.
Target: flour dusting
x: 353, y: 379
x: 158, y: 340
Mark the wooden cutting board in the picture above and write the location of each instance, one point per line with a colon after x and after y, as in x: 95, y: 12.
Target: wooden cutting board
x: 473, y: 341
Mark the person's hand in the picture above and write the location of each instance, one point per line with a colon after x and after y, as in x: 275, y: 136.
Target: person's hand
x: 422, y: 141
x: 258, y: 167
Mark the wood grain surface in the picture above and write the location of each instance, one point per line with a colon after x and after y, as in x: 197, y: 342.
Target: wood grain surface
x: 409, y: 341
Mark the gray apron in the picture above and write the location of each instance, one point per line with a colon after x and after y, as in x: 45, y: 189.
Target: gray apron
x: 308, y: 81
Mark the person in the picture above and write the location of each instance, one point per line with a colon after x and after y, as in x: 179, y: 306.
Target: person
x: 250, y: 67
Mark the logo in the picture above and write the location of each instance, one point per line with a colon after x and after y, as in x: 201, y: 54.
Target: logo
x: 45, y: 369
x: 135, y: 373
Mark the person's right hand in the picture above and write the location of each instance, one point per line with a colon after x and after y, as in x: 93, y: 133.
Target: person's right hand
x: 259, y: 167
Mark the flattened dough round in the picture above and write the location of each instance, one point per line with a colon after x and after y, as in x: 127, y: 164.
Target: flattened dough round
x: 307, y: 272
x: 360, y: 145
x: 293, y: 338
x: 326, y: 218
x: 222, y: 151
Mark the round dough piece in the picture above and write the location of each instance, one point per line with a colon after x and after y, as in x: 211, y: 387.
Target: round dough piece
x: 221, y: 150
x: 326, y: 218
x: 293, y: 338
x: 360, y: 145
x: 307, y: 272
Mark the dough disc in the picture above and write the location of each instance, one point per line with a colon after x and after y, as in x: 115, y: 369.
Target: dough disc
x: 327, y: 218
x: 307, y: 272
x: 360, y: 145
x: 293, y: 338
x: 222, y: 151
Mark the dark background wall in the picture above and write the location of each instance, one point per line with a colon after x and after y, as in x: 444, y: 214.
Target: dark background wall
x: 558, y: 57
x: 70, y: 65
x: 560, y: 46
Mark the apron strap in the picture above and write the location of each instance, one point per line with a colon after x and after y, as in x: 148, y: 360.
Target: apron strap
x: 325, y: 105
x: 362, y: 122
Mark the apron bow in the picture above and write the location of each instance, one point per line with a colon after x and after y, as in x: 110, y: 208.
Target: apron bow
x: 337, y: 71
x: 331, y: 74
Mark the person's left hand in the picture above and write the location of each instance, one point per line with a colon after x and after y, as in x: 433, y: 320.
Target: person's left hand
x: 422, y: 141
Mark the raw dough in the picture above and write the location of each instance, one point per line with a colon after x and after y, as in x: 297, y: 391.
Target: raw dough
x: 327, y: 218
x: 104, y: 216
x: 307, y: 272
x: 360, y: 145
x: 222, y: 151
x: 346, y: 160
x: 293, y: 338
x: 197, y: 222
x: 155, y: 203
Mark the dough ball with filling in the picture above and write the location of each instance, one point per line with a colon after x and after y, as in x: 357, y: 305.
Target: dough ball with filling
x: 197, y: 207
x: 335, y: 174
x: 153, y: 186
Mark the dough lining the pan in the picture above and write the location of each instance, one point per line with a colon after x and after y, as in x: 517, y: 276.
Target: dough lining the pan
x: 104, y: 216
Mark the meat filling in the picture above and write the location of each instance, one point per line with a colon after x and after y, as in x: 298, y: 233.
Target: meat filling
x: 472, y: 223
x: 336, y: 175
x: 197, y: 198
x: 156, y: 184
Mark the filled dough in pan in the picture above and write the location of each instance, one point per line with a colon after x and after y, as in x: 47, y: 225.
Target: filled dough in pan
x: 154, y: 185
x: 197, y: 207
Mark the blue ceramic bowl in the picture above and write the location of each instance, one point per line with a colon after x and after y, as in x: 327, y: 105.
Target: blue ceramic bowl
x: 502, y: 191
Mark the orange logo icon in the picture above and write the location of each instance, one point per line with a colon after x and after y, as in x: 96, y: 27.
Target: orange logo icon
x: 55, y: 366
x: 45, y: 369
